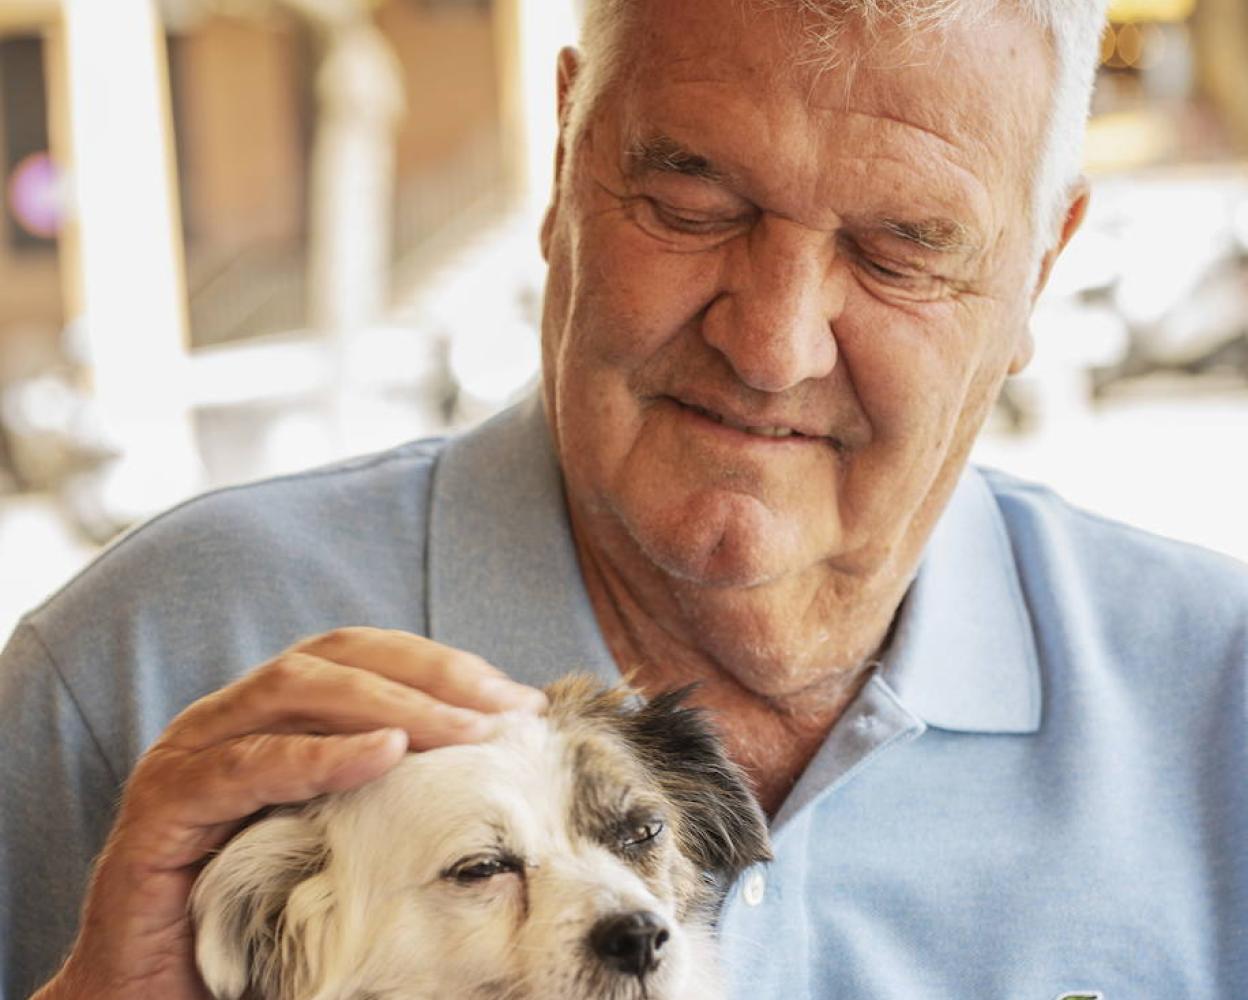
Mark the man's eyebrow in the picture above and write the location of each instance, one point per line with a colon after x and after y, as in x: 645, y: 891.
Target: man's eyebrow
x: 663, y: 154
x: 938, y: 235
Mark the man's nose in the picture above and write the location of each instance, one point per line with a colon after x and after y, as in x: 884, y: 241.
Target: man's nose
x: 773, y: 318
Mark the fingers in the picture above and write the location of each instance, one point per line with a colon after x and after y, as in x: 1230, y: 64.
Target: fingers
x: 450, y: 675
x: 298, y: 693
x: 181, y: 804
x: 355, y: 680
x: 327, y: 715
x: 267, y: 770
x: 234, y: 779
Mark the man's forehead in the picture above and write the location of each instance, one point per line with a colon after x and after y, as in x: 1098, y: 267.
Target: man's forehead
x: 933, y: 107
x: 920, y: 76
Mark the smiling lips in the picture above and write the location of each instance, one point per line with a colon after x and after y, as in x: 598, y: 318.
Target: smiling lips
x: 767, y: 431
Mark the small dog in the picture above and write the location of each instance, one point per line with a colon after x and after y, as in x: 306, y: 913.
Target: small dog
x: 582, y: 855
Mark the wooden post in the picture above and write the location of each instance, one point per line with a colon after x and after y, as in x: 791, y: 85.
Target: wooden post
x: 130, y: 260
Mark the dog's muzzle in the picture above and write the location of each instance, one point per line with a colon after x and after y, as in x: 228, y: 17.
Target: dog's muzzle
x: 631, y: 943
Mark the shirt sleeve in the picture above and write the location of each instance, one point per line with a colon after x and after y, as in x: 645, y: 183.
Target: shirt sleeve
x: 57, y: 800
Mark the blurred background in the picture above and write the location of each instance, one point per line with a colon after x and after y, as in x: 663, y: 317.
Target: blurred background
x: 240, y: 237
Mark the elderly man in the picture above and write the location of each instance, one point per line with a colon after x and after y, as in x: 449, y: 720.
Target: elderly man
x: 793, y: 247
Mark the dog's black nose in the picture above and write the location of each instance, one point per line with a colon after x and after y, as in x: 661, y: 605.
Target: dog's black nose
x: 630, y: 942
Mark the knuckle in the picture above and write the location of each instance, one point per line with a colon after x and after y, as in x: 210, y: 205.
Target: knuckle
x: 285, y: 754
x: 474, y: 664
x: 464, y: 665
x: 239, y: 757
x: 439, y: 670
x: 278, y: 674
x: 187, y: 721
x: 315, y: 756
x: 336, y: 640
x: 253, y: 762
x: 155, y: 775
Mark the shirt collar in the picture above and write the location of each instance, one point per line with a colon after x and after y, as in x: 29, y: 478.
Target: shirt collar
x: 505, y: 583
x: 963, y: 654
x: 503, y: 576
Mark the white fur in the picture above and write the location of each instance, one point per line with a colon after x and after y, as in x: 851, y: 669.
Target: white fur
x: 367, y: 909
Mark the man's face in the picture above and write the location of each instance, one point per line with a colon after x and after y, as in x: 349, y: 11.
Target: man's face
x: 782, y: 298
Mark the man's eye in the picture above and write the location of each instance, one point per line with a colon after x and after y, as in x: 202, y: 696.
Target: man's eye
x: 685, y: 223
x: 885, y: 272
x: 912, y: 284
x: 896, y: 274
x: 639, y: 834
x: 480, y: 869
x: 670, y: 220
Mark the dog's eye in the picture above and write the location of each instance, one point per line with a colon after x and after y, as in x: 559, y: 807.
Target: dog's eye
x: 480, y: 869
x: 640, y: 834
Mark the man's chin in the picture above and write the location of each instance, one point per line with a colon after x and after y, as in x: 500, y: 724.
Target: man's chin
x: 737, y: 546
x: 719, y: 571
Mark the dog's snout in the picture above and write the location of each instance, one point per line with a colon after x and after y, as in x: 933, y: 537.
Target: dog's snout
x: 631, y: 943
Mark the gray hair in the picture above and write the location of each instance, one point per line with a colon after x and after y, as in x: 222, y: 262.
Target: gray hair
x: 1073, y: 27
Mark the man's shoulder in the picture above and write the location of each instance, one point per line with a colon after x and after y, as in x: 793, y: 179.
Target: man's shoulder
x: 1033, y: 511
x: 289, y: 516
x: 1143, y: 582
x: 257, y: 564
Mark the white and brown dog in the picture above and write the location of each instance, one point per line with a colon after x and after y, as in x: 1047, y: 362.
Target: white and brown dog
x: 582, y: 855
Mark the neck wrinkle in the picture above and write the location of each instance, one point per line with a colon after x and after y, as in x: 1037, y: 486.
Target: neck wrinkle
x: 772, y: 739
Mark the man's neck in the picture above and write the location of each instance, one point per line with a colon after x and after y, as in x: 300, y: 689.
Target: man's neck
x: 776, y: 665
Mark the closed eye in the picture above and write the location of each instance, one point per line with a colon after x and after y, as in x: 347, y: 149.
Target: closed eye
x: 695, y: 225
x: 482, y: 868
x: 683, y: 227
x: 913, y: 285
x: 882, y: 271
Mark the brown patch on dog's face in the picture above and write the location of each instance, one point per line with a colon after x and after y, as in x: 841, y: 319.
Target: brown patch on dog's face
x: 655, y: 787
x: 618, y: 806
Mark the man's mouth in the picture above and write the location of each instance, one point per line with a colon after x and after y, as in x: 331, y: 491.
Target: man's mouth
x: 758, y: 430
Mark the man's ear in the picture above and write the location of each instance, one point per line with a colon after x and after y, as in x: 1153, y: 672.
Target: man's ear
x: 1077, y: 197
x: 250, y: 917
x: 725, y: 830
x: 569, y: 63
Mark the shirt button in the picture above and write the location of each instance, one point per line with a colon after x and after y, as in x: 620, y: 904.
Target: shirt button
x: 754, y: 889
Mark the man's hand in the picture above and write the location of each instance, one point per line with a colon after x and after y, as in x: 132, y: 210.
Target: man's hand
x: 326, y: 715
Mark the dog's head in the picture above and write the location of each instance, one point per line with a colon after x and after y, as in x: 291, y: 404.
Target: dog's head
x: 579, y: 856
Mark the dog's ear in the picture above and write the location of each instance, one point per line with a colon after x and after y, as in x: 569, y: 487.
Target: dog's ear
x: 725, y: 828
x: 248, y: 928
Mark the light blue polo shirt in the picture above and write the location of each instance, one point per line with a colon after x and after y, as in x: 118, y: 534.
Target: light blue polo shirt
x: 1041, y: 791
